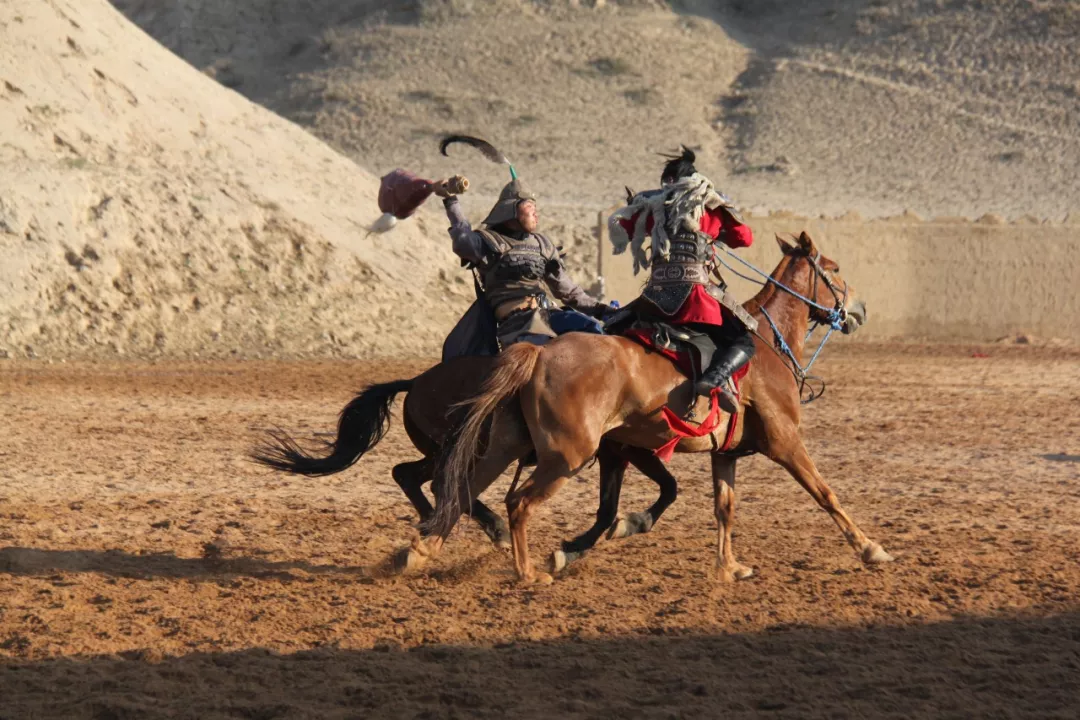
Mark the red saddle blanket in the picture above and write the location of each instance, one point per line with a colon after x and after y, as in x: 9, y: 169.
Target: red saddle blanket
x: 681, y: 428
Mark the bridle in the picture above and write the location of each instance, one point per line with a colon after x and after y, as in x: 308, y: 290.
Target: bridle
x: 834, y: 318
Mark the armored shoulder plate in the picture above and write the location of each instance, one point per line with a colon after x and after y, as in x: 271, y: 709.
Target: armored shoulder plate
x: 496, y: 243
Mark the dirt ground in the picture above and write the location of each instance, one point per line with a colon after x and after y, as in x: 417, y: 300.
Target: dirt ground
x: 147, y: 570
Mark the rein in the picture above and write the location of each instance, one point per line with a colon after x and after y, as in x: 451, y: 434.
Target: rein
x: 834, y: 319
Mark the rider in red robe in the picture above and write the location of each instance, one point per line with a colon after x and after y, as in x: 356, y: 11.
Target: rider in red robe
x: 683, y: 219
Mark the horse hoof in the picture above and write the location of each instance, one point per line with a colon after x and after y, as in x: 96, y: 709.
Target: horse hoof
x: 561, y: 559
x: 542, y: 578
x: 642, y: 522
x: 406, y: 559
x: 619, y: 530
x: 742, y: 572
x: 499, y: 536
x: 632, y: 524
x: 874, y: 554
x: 735, y: 573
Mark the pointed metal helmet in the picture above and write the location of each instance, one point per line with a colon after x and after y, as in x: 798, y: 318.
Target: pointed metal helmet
x: 505, y: 208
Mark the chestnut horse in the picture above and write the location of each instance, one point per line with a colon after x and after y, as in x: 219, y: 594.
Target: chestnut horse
x: 432, y: 409
x: 581, y: 388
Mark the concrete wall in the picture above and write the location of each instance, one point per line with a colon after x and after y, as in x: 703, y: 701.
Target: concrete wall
x: 941, y: 279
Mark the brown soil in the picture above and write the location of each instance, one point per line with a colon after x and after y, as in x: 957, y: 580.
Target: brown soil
x: 147, y: 570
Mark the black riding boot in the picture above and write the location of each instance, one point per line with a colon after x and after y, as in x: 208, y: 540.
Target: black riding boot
x: 724, y: 364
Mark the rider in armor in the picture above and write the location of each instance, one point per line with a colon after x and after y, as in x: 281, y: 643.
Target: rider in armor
x: 514, y: 262
x: 683, y: 219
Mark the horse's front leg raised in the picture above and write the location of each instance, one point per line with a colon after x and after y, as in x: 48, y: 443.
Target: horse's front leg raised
x: 790, y: 453
x: 723, y: 475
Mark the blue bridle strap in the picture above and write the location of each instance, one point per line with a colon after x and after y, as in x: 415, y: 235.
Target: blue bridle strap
x: 835, y: 319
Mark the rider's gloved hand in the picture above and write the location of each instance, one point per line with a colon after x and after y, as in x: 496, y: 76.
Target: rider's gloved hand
x: 602, y: 310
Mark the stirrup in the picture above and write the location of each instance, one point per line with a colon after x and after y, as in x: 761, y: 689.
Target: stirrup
x: 726, y: 399
x: 725, y: 395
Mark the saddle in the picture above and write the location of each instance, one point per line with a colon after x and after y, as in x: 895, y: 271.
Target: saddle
x: 690, y: 351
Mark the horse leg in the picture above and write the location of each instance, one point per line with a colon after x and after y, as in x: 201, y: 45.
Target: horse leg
x: 410, y: 477
x: 723, y: 477
x: 653, y: 468
x: 612, y: 472
x: 794, y: 458
x: 544, y: 482
x: 487, y: 470
x: 493, y: 526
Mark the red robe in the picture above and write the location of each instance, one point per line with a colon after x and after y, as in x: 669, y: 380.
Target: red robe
x: 700, y: 306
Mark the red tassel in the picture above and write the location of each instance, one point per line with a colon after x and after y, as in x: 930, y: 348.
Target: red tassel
x: 401, y: 193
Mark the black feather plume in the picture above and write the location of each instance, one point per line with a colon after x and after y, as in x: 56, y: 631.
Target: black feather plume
x: 487, y: 149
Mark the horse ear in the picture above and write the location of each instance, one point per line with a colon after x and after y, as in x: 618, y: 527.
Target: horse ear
x: 806, y: 243
x: 785, y: 246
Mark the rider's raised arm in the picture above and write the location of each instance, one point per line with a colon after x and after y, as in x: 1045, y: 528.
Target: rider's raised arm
x: 468, y: 244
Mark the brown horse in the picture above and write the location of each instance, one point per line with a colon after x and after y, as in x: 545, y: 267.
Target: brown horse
x: 428, y: 417
x: 432, y: 409
x: 581, y: 388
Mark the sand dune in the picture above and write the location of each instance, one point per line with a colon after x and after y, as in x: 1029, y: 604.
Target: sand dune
x: 817, y: 107
x: 145, y: 208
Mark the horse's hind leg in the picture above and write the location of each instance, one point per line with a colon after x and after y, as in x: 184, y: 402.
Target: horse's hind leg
x: 653, y: 468
x: 723, y: 475
x: 511, y: 443
x: 792, y: 455
x: 410, y: 477
x: 612, y: 472
x: 553, y: 469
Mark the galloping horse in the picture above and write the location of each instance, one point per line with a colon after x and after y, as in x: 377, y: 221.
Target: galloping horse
x: 432, y: 409
x: 581, y: 388
x: 428, y: 418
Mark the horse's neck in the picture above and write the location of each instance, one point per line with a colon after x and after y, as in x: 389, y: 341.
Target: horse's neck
x: 791, y: 315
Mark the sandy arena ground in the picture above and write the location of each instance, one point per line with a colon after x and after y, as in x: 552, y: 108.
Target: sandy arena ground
x: 147, y: 570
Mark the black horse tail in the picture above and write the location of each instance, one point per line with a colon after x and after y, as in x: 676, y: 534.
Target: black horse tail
x: 362, y: 424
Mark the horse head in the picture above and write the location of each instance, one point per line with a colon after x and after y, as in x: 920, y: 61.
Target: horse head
x: 825, y: 286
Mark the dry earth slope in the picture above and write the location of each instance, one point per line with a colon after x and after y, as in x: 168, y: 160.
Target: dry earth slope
x: 944, y: 108
x: 144, y: 208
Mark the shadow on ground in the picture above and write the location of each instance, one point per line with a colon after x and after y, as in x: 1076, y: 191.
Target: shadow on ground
x: 31, y: 561
x: 1001, y: 668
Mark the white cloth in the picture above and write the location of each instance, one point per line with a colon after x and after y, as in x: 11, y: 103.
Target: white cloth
x: 681, y: 203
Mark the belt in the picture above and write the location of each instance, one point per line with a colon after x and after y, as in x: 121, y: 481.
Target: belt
x: 672, y: 273
x: 506, y: 309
